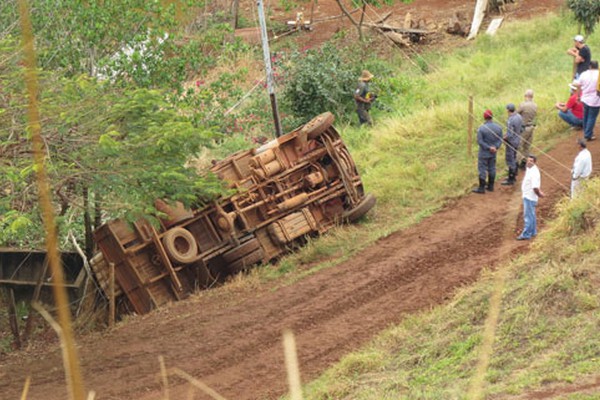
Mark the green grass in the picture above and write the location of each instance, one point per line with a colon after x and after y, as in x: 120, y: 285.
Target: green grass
x: 414, y: 162
x: 547, y: 333
x: 415, y: 159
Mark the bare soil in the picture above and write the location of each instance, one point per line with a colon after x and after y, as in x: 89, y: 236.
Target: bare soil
x: 230, y: 338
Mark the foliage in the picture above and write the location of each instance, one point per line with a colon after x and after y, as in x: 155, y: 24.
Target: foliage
x: 318, y: 81
x: 121, y: 147
x: 122, y: 40
x: 586, y: 13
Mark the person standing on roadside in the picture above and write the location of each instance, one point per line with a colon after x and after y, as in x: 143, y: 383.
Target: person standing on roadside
x: 528, y: 111
x: 531, y: 189
x: 582, y: 55
x: 363, y: 98
x: 572, y: 111
x: 489, y: 138
x: 514, y: 124
x: 582, y: 167
x: 587, y: 85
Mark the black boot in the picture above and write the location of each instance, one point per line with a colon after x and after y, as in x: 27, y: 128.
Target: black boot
x: 510, y: 180
x: 490, y: 185
x: 481, y: 188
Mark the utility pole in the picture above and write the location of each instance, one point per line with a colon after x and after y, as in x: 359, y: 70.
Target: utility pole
x: 267, y: 57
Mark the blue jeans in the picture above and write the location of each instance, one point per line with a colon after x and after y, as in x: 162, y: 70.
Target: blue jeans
x: 529, y: 228
x: 570, y: 118
x: 589, y: 120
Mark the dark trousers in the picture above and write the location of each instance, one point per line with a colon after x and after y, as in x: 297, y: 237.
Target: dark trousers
x: 486, y: 166
x: 590, y: 114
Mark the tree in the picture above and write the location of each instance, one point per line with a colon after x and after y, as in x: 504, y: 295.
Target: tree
x: 115, y: 149
x: 134, y: 40
x: 586, y: 13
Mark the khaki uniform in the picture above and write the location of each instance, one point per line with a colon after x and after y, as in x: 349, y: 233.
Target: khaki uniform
x: 528, y: 111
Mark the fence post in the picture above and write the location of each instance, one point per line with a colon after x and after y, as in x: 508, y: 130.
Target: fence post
x: 470, y: 128
x: 111, y: 296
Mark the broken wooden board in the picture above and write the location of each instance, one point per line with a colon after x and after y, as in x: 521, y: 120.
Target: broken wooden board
x: 397, y: 38
x: 494, y: 26
x: 480, y: 8
x: 399, y: 29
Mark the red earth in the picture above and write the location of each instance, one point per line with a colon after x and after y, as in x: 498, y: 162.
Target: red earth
x: 230, y: 337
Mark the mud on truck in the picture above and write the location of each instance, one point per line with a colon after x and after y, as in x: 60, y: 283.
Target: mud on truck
x: 302, y: 183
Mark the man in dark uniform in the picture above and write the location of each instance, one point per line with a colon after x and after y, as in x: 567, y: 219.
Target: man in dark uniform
x: 582, y: 55
x: 364, y: 98
x: 514, y: 126
x: 489, y: 138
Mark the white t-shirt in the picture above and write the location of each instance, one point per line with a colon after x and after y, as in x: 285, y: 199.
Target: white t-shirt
x: 532, y: 180
x: 582, y: 167
x: 589, y: 82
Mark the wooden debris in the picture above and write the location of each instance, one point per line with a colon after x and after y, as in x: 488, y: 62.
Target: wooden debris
x: 383, y: 18
x: 494, y: 26
x: 397, y: 38
x: 458, y: 25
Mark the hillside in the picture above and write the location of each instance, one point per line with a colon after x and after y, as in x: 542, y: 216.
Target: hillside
x: 230, y: 337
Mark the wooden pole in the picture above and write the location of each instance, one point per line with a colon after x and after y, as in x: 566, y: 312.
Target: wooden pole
x: 291, y: 363
x: 34, y: 299
x: 111, y: 296
x: 70, y: 358
x: 12, y: 316
x: 470, y: 128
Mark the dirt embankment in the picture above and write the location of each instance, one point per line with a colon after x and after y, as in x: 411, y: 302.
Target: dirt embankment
x: 231, y: 340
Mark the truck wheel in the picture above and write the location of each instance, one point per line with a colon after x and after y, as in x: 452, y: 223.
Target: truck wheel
x: 317, y: 125
x: 180, y: 245
x: 241, y: 251
x: 244, y: 262
x: 363, y: 207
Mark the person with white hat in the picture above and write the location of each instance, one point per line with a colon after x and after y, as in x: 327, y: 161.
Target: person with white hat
x: 582, y: 55
x: 364, y: 98
x: 572, y: 111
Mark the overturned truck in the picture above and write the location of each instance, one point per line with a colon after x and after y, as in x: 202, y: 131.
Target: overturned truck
x: 300, y: 184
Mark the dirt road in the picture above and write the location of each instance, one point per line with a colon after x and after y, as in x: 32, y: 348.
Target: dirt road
x: 231, y: 340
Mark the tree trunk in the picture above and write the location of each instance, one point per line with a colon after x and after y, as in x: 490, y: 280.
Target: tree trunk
x: 362, y: 18
x: 356, y: 24
x: 235, y: 7
x: 87, y: 221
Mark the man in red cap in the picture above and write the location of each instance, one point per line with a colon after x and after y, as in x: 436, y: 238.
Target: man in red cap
x: 489, y: 138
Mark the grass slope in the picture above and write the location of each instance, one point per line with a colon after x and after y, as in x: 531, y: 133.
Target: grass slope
x: 550, y: 315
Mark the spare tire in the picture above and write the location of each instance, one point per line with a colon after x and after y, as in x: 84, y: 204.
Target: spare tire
x: 180, y: 245
x: 363, y: 207
x: 316, y: 126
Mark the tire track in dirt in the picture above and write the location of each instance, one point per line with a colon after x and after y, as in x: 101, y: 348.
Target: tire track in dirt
x: 231, y: 339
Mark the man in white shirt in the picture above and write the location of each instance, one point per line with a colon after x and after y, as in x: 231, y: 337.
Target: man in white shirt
x: 582, y: 167
x: 588, y: 82
x: 531, y: 192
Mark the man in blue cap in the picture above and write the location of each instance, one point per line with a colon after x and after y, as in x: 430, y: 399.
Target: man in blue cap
x: 514, y: 126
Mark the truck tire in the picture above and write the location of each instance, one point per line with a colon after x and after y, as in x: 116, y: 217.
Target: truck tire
x: 363, y: 207
x: 317, y: 125
x: 246, y: 261
x: 241, y: 251
x: 180, y: 245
